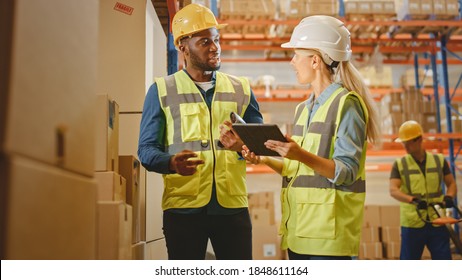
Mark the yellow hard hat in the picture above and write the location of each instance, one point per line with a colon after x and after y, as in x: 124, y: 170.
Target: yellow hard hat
x: 409, y: 130
x: 192, y: 19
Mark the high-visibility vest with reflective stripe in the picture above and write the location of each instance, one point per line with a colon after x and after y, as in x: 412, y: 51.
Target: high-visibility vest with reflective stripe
x: 426, y: 187
x: 319, y: 217
x: 190, y: 125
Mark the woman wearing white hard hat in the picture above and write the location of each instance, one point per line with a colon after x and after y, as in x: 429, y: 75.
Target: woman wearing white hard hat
x: 323, y: 172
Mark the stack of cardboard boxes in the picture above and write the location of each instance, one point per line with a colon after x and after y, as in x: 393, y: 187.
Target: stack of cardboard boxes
x: 239, y: 9
x: 377, y: 77
x: 47, y: 131
x: 381, y: 233
x: 132, y: 48
x: 362, y: 9
x: 409, y: 104
x: 265, y: 239
x: 118, y: 219
x: 300, y: 9
x: 424, y: 9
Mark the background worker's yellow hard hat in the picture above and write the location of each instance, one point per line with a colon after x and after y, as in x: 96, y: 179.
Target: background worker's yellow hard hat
x: 192, y: 19
x: 409, y: 130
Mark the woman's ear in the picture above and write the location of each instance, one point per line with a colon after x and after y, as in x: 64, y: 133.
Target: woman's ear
x: 315, y: 61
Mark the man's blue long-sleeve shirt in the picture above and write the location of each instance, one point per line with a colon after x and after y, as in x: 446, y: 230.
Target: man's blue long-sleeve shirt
x: 151, y: 147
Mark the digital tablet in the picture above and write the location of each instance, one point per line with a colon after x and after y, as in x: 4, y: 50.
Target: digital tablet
x: 255, y: 135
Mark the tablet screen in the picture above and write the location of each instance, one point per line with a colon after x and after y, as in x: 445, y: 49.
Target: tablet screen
x: 255, y: 135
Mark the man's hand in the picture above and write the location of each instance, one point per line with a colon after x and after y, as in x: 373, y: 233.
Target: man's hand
x: 448, y: 201
x: 229, y: 139
x: 181, y: 163
x: 421, y: 204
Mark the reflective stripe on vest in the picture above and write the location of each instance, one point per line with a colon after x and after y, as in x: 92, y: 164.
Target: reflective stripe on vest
x: 318, y: 181
x: 298, y: 129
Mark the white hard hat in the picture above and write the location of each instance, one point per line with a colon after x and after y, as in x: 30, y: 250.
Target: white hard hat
x: 324, y: 33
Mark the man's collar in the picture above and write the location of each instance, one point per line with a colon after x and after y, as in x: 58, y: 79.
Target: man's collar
x: 214, y: 75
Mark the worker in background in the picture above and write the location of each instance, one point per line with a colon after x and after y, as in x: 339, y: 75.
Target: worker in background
x: 323, y: 172
x: 416, y: 181
x: 205, y: 195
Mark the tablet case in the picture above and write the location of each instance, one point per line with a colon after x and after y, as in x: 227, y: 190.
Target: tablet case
x: 255, y: 135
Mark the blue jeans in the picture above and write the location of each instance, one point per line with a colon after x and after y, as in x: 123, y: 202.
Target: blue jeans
x: 413, y: 241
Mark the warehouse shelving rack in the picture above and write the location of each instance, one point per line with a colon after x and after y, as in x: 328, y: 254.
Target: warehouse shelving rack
x: 433, y: 39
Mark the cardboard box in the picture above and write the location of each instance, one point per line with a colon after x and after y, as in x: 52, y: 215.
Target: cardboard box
x: 452, y: 7
x: 426, y: 7
x: 389, y: 7
x: 351, y: 7
x: 371, y: 251
x: 390, y: 216
x: 429, y: 107
x: 371, y: 216
x: 111, y: 186
x: 407, y: 8
x: 50, y: 214
x: 122, y: 52
x: 439, y: 7
x: 52, y: 84
x: 263, y: 200
x: 391, y: 233
x: 107, y: 134
x: 265, y: 245
x: 114, y: 230
x: 392, y: 250
x: 129, y: 168
x: 370, y: 234
x: 260, y: 216
x: 321, y: 7
x: 364, y: 7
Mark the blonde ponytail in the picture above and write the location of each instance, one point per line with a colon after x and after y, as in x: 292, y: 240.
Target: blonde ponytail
x: 351, y: 79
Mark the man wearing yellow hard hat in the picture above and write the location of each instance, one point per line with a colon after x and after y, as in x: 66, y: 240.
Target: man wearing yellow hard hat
x: 205, y: 195
x: 416, y: 181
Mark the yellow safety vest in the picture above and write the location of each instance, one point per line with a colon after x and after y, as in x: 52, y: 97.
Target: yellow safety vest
x: 426, y: 187
x: 319, y: 217
x: 190, y: 125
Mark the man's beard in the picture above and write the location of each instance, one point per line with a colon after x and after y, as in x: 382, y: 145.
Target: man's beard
x: 195, y: 61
